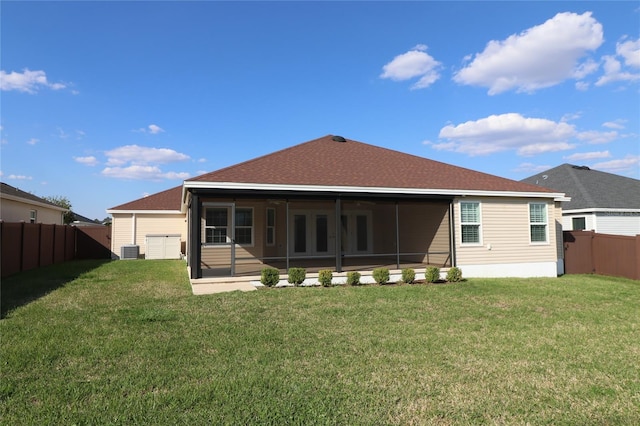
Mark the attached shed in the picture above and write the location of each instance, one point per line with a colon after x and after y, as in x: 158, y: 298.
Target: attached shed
x: 163, y: 246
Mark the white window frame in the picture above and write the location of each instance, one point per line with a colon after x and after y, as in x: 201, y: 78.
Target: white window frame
x: 270, y: 229
x: 33, y: 216
x: 252, y: 227
x: 545, y: 223
x: 228, y: 226
x: 478, y: 223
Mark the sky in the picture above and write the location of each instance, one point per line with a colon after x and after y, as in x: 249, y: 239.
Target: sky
x: 106, y: 102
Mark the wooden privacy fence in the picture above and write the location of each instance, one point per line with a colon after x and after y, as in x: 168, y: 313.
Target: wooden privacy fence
x: 587, y: 252
x: 32, y: 245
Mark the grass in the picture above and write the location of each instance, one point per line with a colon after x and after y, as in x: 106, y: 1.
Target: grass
x: 125, y: 342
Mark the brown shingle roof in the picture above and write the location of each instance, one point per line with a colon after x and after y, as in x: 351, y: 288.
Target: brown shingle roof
x: 170, y: 199
x: 326, y: 162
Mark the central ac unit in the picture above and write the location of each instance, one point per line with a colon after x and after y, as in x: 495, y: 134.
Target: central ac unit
x: 129, y: 252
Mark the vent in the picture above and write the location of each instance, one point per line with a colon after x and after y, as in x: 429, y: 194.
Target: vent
x: 129, y: 252
x: 338, y: 139
x: 581, y: 167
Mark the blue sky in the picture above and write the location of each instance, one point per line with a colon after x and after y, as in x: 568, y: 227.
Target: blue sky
x: 105, y: 102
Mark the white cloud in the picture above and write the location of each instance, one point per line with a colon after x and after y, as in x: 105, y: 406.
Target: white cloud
x: 137, y: 162
x: 142, y: 173
x: 531, y: 168
x: 512, y: 131
x: 630, y: 51
x: 27, y: 81
x: 616, y: 124
x: 539, y: 57
x: 88, y: 161
x: 202, y: 160
x: 580, y: 156
x: 153, y: 129
x: 19, y: 177
x: 613, y: 72
x: 414, y: 63
x: 582, y: 86
x: 618, y: 166
x: 596, y: 137
x: 33, y: 141
x: 140, y: 155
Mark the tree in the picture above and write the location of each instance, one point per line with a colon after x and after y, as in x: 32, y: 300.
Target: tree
x: 62, y: 201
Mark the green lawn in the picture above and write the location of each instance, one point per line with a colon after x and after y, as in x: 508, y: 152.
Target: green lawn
x: 126, y: 343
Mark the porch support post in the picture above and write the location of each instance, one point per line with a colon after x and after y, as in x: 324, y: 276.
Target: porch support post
x: 287, y: 232
x: 338, y: 235
x: 397, y: 238
x: 195, y: 249
x: 233, y: 239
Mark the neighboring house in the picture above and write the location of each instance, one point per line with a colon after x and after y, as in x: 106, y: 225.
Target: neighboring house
x: 600, y: 202
x: 20, y: 206
x: 338, y: 204
x: 79, y: 220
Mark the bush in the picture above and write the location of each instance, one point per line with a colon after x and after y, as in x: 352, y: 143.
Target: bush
x: 270, y: 277
x: 381, y: 275
x: 353, y: 278
x: 454, y: 275
x: 432, y: 274
x: 297, y: 276
x: 408, y: 276
x: 324, y: 277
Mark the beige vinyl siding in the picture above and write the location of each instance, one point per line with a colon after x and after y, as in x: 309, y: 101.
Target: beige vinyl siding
x: 505, y: 233
x: 16, y: 211
x: 558, y: 228
x: 146, y: 223
x: 120, y: 232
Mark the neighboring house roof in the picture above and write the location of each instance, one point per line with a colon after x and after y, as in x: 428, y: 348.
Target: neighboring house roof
x: 331, y: 163
x: 590, y: 189
x: 79, y: 220
x: 168, y: 200
x: 11, y: 193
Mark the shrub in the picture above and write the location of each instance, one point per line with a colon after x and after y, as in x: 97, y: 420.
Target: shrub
x: 353, y: 278
x: 270, y: 277
x: 324, y: 277
x: 297, y: 276
x: 408, y: 276
x: 454, y: 275
x: 432, y: 274
x: 381, y: 275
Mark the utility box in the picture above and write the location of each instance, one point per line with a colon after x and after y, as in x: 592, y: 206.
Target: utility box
x: 163, y: 246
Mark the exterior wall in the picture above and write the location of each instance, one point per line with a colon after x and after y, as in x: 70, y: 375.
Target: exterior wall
x: 614, y: 223
x: 618, y: 223
x: 145, y: 223
x: 505, y: 248
x: 15, y: 211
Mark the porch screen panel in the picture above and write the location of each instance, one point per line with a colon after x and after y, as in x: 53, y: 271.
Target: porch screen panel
x: 300, y: 233
x: 361, y: 233
x: 322, y: 241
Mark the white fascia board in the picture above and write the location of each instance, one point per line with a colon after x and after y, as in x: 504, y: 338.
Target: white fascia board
x: 144, y: 212
x: 599, y: 210
x: 33, y: 203
x: 371, y: 189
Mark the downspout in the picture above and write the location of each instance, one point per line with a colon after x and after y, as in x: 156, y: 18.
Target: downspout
x: 452, y: 235
x: 338, y: 235
x: 397, y: 237
x: 133, y: 228
x: 287, y: 232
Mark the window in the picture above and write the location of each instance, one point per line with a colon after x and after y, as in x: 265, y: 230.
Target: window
x: 33, y: 216
x: 470, y: 222
x: 271, y: 226
x: 538, y: 222
x: 216, y: 229
x: 244, y: 226
x: 217, y: 226
x: 579, y: 224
